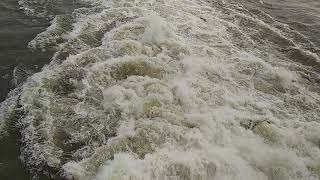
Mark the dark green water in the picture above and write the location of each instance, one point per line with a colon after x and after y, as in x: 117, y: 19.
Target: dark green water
x: 16, y: 31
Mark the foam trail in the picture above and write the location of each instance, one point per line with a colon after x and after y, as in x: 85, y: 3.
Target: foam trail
x: 172, y: 89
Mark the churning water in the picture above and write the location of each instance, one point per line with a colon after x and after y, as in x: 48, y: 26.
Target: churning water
x: 172, y: 90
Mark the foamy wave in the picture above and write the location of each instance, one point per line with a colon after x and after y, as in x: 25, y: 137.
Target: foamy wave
x: 172, y: 90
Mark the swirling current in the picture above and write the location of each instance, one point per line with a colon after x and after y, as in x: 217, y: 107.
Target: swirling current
x: 171, y: 90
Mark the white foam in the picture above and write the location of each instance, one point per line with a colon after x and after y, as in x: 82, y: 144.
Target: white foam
x: 124, y: 166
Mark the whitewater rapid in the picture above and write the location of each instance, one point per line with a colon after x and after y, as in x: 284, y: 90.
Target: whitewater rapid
x: 171, y: 90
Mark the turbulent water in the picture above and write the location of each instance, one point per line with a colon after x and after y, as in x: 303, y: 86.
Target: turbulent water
x: 172, y: 90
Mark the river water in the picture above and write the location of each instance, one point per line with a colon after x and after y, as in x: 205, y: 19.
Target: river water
x: 176, y: 89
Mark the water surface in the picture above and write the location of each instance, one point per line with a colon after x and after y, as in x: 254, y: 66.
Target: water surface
x: 152, y: 90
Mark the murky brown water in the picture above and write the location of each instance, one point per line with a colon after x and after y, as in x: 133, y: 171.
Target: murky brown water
x: 302, y: 15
